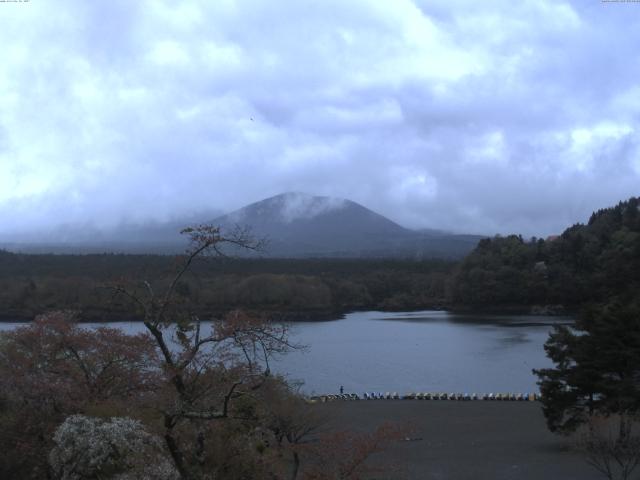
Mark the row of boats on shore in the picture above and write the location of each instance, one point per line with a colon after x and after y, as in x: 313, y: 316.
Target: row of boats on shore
x: 503, y: 397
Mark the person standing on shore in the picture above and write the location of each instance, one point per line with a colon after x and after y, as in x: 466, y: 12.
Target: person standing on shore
x: 341, y: 389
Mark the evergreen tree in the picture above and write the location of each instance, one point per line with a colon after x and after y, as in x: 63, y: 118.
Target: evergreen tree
x: 597, y: 367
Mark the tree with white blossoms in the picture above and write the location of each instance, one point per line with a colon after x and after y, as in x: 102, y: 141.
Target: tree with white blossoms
x: 114, y: 449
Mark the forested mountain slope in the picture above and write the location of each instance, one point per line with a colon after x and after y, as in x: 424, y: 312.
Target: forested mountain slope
x: 592, y: 262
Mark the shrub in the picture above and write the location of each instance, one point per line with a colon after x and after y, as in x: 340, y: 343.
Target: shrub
x: 118, y: 448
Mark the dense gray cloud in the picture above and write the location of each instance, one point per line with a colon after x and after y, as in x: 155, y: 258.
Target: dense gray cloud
x: 485, y: 117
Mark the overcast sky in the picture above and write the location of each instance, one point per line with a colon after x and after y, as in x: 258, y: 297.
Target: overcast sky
x: 472, y: 116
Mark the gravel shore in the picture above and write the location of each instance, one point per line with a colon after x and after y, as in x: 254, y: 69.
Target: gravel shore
x: 466, y: 440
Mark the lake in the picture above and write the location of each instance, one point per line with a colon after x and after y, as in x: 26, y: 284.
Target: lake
x: 430, y: 351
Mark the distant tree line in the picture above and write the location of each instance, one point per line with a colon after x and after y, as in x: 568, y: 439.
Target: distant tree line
x: 31, y: 284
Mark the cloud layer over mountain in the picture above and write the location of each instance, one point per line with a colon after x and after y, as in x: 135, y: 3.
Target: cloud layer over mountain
x: 496, y: 116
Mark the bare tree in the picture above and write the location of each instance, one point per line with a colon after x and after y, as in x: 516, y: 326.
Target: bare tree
x: 206, y: 368
x: 613, y: 450
x: 346, y: 455
x: 292, y: 420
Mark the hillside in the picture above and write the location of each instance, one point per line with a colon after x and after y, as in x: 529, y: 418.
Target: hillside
x: 590, y: 262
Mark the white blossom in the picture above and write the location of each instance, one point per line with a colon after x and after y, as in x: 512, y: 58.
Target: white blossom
x: 115, y: 449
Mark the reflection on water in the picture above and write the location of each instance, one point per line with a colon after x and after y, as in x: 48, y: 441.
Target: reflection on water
x: 414, y: 351
x: 518, y: 337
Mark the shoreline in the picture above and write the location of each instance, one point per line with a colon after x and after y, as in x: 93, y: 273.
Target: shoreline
x: 534, y: 310
x: 323, y: 315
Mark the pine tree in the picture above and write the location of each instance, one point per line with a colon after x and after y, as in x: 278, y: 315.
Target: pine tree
x: 597, y: 367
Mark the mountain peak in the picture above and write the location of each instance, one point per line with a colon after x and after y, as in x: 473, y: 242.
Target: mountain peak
x: 298, y: 224
x: 288, y: 207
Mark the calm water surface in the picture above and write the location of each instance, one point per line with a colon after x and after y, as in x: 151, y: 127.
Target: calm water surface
x: 414, y: 351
